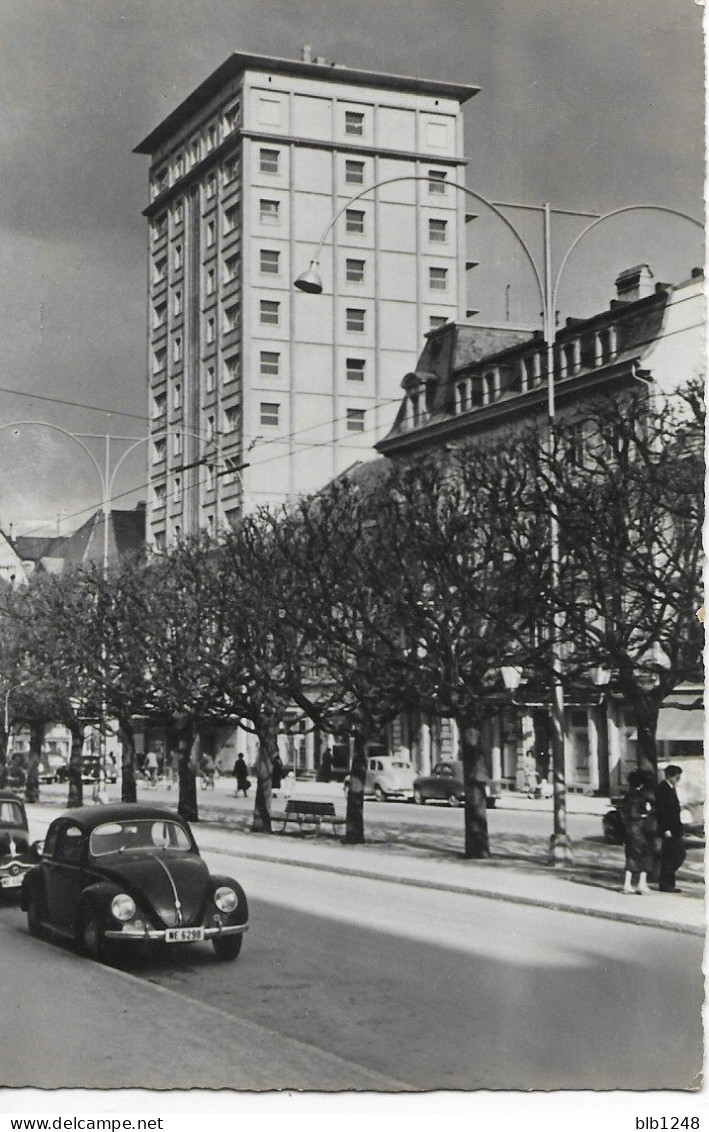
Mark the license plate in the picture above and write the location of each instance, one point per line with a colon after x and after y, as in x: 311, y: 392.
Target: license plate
x: 11, y: 882
x: 184, y: 935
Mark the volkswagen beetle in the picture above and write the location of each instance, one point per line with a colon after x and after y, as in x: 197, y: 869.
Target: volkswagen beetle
x: 130, y: 875
x: 17, y: 856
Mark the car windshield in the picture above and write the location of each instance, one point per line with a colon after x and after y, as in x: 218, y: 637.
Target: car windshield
x: 401, y: 766
x: 10, y: 814
x: 140, y: 834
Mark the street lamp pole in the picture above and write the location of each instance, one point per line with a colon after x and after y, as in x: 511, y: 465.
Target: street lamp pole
x: 548, y: 286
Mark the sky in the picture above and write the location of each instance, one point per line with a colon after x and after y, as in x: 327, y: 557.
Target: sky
x: 589, y: 105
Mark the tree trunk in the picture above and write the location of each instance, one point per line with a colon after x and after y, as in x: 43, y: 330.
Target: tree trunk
x: 187, y: 771
x: 354, y: 822
x: 475, y: 776
x: 76, y: 760
x: 646, y: 714
x: 646, y: 708
x: 35, y: 755
x: 127, y: 739
x: 267, y: 735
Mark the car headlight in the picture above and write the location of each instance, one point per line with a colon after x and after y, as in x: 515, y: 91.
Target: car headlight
x: 226, y: 899
x: 123, y: 906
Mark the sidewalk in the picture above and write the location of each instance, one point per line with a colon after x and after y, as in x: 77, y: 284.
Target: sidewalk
x: 431, y: 857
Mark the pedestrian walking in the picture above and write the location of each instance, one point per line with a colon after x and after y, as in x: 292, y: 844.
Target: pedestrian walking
x: 669, y: 828
x: 174, y: 763
x: 241, y: 775
x: 640, y: 827
x: 277, y: 772
x: 151, y: 767
x: 325, y: 772
x: 531, y: 778
x: 207, y: 771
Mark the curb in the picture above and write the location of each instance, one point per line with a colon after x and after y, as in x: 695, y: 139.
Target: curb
x: 464, y: 890
x: 460, y: 890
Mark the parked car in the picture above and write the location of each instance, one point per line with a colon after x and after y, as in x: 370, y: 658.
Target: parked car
x: 445, y: 783
x: 90, y: 770
x: 125, y: 876
x: 614, y: 824
x: 17, y: 856
x: 388, y: 777
x: 50, y: 768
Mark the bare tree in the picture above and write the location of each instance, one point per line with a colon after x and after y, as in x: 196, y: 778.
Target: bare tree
x: 625, y: 478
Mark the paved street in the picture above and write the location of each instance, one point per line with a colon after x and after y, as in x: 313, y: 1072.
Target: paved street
x: 431, y: 989
x: 354, y: 981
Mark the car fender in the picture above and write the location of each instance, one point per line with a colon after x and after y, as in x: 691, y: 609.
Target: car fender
x: 30, y: 880
x: 241, y: 913
x: 98, y: 898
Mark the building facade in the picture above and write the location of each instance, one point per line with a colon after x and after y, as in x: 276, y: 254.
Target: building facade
x: 473, y: 382
x: 260, y: 393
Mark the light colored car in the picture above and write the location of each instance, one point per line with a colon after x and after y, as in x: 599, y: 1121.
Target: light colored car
x: 388, y: 777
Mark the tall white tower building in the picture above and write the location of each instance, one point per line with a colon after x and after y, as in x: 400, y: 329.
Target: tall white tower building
x: 246, y: 175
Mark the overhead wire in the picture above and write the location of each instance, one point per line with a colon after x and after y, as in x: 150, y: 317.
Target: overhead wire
x: 89, y: 508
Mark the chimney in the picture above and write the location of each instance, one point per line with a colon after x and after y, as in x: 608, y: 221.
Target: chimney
x: 321, y: 60
x: 634, y: 283
x: 306, y: 53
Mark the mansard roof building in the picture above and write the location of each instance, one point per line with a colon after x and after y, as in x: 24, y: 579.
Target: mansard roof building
x: 473, y: 380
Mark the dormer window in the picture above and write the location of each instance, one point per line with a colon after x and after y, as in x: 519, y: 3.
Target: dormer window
x: 463, y: 400
x: 491, y: 386
x: 605, y: 346
x: 570, y: 358
x: 529, y: 371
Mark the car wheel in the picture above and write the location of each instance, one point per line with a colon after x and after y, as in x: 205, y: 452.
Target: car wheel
x: 227, y: 948
x: 34, y: 914
x: 91, y: 939
x: 453, y: 800
x: 379, y: 795
x: 93, y: 943
x: 419, y: 798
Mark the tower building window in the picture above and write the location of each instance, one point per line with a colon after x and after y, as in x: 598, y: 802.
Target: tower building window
x: 355, y: 369
x: 269, y: 261
x: 354, y: 172
x: 354, y: 123
x: 269, y: 414
x: 355, y: 319
x: 269, y: 211
x: 269, y: 312
x: 437, y: 182
x: 354, y: 222
x: 355, y: 420
x: 354, y: 271
x: 270, y: 363
x: 269, y: 160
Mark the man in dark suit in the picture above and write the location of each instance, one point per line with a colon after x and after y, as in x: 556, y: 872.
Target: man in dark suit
x: 669, y: 828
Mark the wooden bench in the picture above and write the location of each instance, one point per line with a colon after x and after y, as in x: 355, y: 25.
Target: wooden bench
x: 309, y: 815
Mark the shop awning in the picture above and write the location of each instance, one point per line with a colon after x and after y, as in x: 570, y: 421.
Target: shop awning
x: 681, y: 717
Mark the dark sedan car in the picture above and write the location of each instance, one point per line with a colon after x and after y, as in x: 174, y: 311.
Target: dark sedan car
x: 130, y: 875
x: 445, y: 784
x: 17, y: 856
